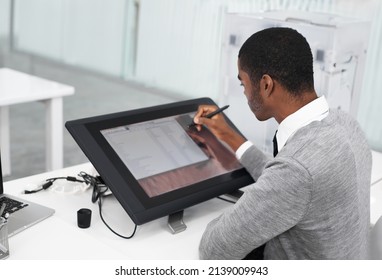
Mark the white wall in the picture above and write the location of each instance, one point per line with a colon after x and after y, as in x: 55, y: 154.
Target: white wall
x: 86, y: 33
x: 4, y: 18
x: 179, y: 45
x: 39, y: 30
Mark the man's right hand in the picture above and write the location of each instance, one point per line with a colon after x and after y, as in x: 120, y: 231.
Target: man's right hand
x: 218, y: 126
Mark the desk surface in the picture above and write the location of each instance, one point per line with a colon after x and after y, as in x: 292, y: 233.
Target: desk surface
x: 58, y: 237
x: 376, y: 188
x: 17, y: 87
x: 376, y: 172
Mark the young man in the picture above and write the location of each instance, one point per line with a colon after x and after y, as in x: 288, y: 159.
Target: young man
x: 312, y: 200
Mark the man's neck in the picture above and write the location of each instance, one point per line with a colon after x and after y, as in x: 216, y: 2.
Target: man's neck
x: 291, y: 104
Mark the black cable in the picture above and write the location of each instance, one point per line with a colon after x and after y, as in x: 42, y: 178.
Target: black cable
x: 100, y: 213
x: 89, y: 179
x: 49, y: 182
x: 99, y: 187
x: 99, y: 190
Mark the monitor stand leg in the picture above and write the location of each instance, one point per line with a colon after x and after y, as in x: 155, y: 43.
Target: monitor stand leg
x: 235, y: 195
x: 175, y: 222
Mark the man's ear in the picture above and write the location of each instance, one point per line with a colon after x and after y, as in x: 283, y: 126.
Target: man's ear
x: 266, y: 85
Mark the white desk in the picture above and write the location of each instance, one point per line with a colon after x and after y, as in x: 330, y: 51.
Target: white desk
x: 58, y: 237
x: 17, y: 87
x: 375, y: 202
x: 376, y: 188
x: 376, y: 172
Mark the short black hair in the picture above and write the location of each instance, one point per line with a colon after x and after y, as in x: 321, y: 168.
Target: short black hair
x: 282, y: 53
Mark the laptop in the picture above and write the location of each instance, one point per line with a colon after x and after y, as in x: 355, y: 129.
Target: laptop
x: 22, y: 213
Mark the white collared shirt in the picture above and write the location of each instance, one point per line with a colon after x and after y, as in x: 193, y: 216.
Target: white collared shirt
x: 316, y: 110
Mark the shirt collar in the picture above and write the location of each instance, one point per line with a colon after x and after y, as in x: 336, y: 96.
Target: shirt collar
x: 316, y: 110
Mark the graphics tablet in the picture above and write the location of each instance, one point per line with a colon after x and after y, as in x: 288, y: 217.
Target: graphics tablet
x: 154, y: 163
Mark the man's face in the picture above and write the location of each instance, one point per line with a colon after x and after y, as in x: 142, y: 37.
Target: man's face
x: 253, y: 95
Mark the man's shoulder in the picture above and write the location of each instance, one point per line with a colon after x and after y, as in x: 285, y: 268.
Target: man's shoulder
x: 337, y: 126
x: 338, y: 136
x: 341, y: 117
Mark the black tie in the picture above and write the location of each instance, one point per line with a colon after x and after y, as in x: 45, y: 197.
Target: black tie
x: 275, y: 149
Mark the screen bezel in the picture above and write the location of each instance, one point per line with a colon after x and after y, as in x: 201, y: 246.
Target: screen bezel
x: 140, y: 207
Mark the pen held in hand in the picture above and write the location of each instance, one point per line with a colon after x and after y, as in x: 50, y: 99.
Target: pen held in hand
x: 210, y: 115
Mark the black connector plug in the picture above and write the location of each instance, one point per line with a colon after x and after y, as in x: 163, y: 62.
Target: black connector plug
x: 47, y: 185
x: 71, y: 178
x: 28, y: 192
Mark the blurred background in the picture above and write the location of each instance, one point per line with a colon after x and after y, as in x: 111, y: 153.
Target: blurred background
x: 126, y: 54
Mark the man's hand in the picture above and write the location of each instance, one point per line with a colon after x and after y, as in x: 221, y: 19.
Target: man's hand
x: 218, y: 126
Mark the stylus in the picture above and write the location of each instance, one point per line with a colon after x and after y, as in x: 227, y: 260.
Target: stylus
x: 210, y: 115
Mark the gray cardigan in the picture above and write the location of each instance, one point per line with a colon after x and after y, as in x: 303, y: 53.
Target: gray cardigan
x: 310, y: 202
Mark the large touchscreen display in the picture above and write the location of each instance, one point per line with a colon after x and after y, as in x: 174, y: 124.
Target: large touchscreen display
x: 167, y: 154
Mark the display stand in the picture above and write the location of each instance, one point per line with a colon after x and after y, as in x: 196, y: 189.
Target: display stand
x: 175, y: 222
x: 235, y: 195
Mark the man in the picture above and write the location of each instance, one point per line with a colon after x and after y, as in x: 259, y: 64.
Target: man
x: 312, y: 200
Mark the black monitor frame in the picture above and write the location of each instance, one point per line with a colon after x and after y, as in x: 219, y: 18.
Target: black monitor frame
x: 140, y: 207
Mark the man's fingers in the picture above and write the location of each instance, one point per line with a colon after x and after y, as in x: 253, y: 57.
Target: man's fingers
x: 199, y: 118
x: 199, y: 121
x: 204, y: 110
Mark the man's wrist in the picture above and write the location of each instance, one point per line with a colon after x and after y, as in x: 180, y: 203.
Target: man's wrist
x: 235, y: 141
